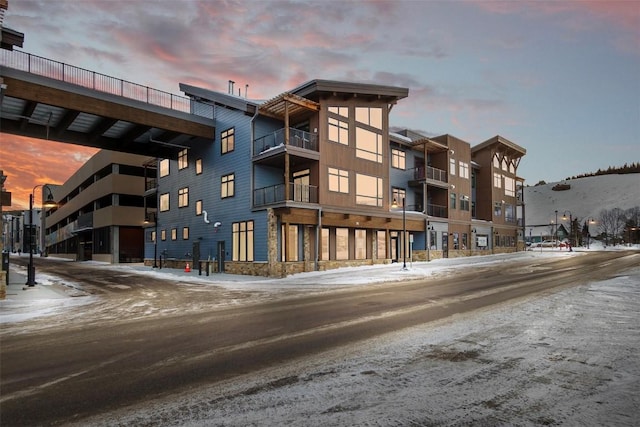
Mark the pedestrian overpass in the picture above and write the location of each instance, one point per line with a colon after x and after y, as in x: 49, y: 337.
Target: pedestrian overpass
x: 45, y: 99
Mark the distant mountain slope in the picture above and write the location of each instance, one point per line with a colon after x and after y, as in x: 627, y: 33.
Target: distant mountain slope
x: 585, y: 198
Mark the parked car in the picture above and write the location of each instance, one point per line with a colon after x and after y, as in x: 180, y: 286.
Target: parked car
x: 550, y: 244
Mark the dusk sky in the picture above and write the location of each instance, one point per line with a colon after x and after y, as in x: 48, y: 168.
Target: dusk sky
x: 559, y: 78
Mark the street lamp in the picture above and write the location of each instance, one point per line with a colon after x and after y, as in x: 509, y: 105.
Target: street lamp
x: 404, y: 230
x: 49, y: 203
x: 564, y: 218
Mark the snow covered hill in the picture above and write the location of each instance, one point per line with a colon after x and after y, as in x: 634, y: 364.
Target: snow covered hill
x: 585, y: 198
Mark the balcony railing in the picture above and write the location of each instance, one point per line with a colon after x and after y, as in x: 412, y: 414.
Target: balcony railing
x: 275, y: 194
x: 437, y: 211
x: 297, y: 138
x: 90, y: 79
x: 430, y: 173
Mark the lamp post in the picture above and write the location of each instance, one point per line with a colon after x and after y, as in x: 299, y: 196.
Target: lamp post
x: 564, y: 218
x: 404, y: 230
x: 49, y: 203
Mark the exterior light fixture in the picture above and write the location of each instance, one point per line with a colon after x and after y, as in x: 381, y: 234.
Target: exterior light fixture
x: 49, y: 203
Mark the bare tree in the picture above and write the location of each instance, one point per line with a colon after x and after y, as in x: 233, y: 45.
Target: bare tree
x: 612, y: 224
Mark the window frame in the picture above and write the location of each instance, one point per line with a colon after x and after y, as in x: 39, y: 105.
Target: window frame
x: 398, y: 159
x: 183, y: 197
x: 183, y: 159
x: 342, y: 180
x: 242, y: 241
x: 228, y: 140
x: 161, y: 199
x: 361, y: 197
x: 227, y: 185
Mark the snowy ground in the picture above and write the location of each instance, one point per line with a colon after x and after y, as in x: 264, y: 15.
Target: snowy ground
x: 564, y: 358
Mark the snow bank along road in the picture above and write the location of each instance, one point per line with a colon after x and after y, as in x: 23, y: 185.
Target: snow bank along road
x: 58, y: 375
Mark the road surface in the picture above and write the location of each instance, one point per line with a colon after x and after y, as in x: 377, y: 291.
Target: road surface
x: 90, y: 366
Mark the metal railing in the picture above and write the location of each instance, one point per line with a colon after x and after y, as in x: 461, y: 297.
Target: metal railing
x: 297, y: 138
x: 275, y: 194
x: 437, y: 211
x: 92, y: 80
x: 430, y: 173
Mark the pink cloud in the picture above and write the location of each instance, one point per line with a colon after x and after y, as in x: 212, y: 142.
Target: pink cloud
x: 29, y: 162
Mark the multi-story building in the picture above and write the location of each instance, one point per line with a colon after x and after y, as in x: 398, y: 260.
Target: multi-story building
x: 101, y: 211
x: 314, y: 179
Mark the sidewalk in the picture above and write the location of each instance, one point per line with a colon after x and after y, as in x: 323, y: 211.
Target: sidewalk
x: 18, y: 291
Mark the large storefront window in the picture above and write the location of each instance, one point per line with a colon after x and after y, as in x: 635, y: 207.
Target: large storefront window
x: 242, y: 241
x: 325, y: 244
x: 291, y: 234
x: 361, y: 244
x: 342, y: 243
x: 381, y: 241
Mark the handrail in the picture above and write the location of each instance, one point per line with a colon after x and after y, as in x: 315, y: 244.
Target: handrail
x: 297, y: 138
x: 275, y: 194
x: 431, y: 174
x: 45, y: 67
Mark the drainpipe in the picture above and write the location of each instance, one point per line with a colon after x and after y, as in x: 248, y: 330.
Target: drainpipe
x: 318, y: 236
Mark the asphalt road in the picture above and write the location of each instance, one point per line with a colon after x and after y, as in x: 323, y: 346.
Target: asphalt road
x: 66, y: 373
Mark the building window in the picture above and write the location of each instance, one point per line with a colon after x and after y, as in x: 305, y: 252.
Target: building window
x: 509, y: 213
x: 368, y: 145
x: 463, y: 170
x: 185, y: 233
x: 398, y: 159
x: 496, y: 162
x: 338, y: 180
x: 342, y: 243
x: 509, y: 186
x: 338, y: 131
x: 340, y: 111
x: 398, y: 196
x: 371, y: 116
x: 174, y: 234
x: 163, y: 235
x: 497, y: 180
x: 198, y: 207
x: 227, y: 140
x: 183, y: 197
x: 369, y: 190
x: 452, y: 198
x: 291, y: 246
x: 465, y: 241
x: 452, y: 167
x: 164, y: 202
x: 164, y: 167
x: 361, y: 244
x: 497, y: 209
x: 242, y: 241
x: 182, y: 159
x: 227, y: 185
x: 198, y: 166
x: 325, y: 244
x: 456, y: 241
x: 381, y: 242
x: 464, y: 203
x: 151, y: 236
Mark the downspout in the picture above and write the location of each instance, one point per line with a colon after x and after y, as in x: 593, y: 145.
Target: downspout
x: 318, y: 236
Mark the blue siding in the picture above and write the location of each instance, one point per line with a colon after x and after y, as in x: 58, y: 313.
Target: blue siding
x: 206, y: 187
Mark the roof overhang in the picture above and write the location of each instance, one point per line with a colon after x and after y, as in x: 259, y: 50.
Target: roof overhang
x: 287, y: 104
x: 501, y: 146
x: 316, y: 89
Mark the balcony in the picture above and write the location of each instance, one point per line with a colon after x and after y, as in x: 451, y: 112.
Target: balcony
x: 297, y: 138
x: 274, y: 194
x: 437, y: 211
x: 431, y: 175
